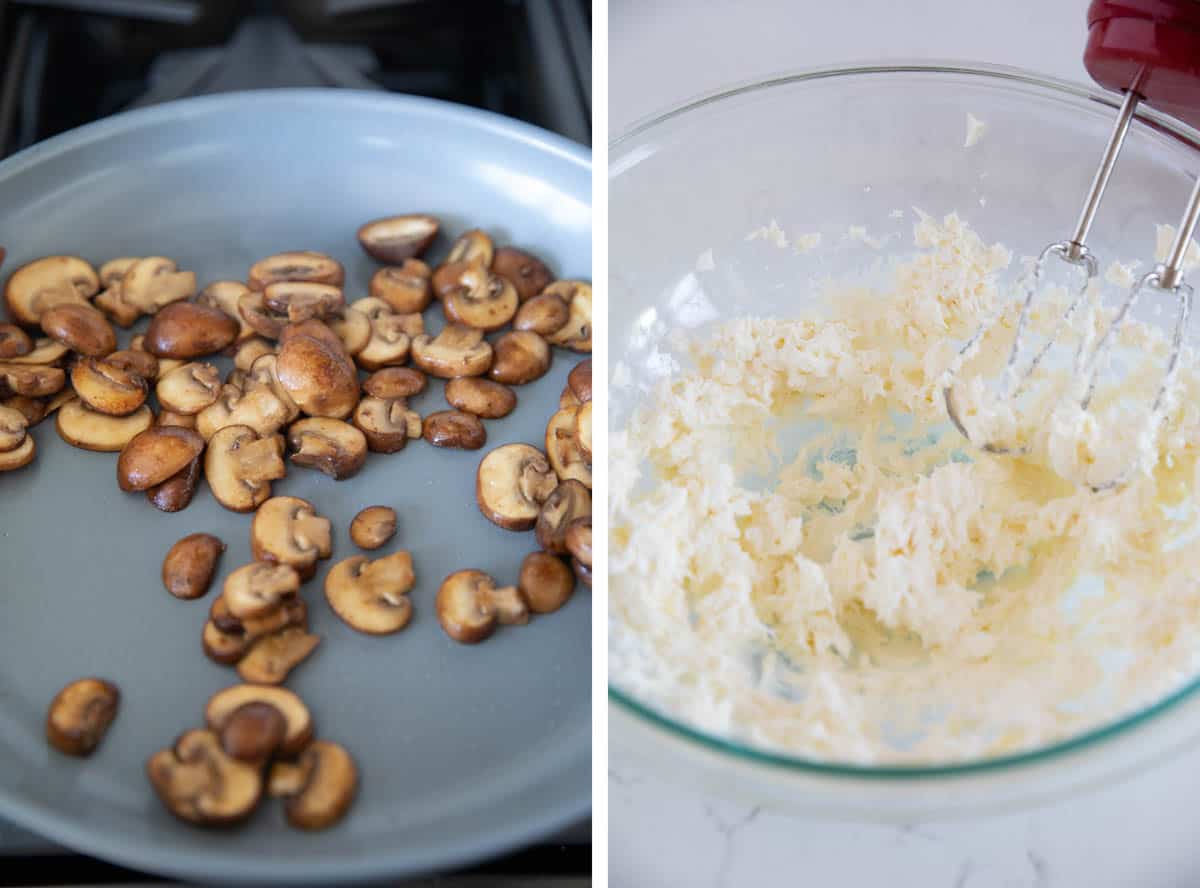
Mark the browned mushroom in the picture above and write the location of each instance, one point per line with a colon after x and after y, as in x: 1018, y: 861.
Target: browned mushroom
x: 299, y: 722
x: 258, y: 589
x: 472, y: 246
x: 330, y: 785
x: 155, y: 282
x: 46, y: 352
x: 142, y: 363
x: 291, y: 612
x: 190, y: 388
x: 583, y: 430
x: 406, y: 288
x: 544, y: 314
x: 250, y: 350
x: 398, y: 238
x: 259, y: 407
x: 187, y: 330
x: 190, y: 563
x: 521, y: 357
x: 353, y: 328
x: 252, y: 308
x: 481, y: 300
x: 512, y: 483
x: 222, y: 646
x: 454, y: 429
x: 176, y: 492
x: 546, y: 582
x: 563, y: 450
x: 526, y: 272
x: 303, y: 300
x: 567, y: 400
x: 81, y: 426
x: 264, y: 374
x: 288, y: 530
x: 14, y: 426
x: 80, y: 328
x: 329, y: 445
x: 45, y: 283
x: 373, y: 526
x: 108, y: 388
x: 156, y: 454
x: 470, y: 606
x: 225, y: 295
x: 111, y: 301
x: 321, y: 379
x: 482, y: 397
x: 32, y: 380
x: 14, y: 342
x: 240, y: 467
x: 113, y: 271
x: 387, y: 423
x: 20, y: 456
x: 579, y: 380
x: 301, y: 265
x: 456, y: 351
x: 272, y: 657
x: 170, y: 417
x: 569, y: 501
x: 579, y: 542
x: 253, y: 732
x: 80, y: 715
x: 391, y: 334
x: 35, y: 409
x: 372, y: 596
x: 576, y: 333
x: 395, y: 382
x: 198, y: 783
x: 448, y: 276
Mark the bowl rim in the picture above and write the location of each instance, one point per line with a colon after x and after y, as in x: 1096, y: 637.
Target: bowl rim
x: 1102, y: 734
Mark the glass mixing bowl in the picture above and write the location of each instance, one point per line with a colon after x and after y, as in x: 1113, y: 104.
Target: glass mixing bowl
x: 826, y: 151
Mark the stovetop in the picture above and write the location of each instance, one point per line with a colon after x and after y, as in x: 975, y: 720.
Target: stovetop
x: 64, y: 63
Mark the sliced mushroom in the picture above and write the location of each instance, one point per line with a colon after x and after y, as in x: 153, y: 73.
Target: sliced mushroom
x: 20, y: 456
x: 398, y: 238
x: 80, y: 328
x: 472, y: 246
x: 80, y: 715
x: 334, y: 447
x: 387, y: 423
x: 329, y: 790
x: 250, y: 351
x: 111, y: 301
x: 154, y: 455
x: 583, y: 430
x: 373, y: 526
x: 32, y: 380
x: 113, y: 271
x: 390, y: 337
x: 272, y: 657
x: 448, y: 276
x: 198, y: 783
x: 33, y: 410
x: 322, y: 380
x: 482, y: 397
x: 512, y: 483
x: 544, y: 314
x: 353, y: 328
x: 299, y: 722
x: 301, y: 265
x: 252, y: 308
x: 240, y: 467
x: 142, y: 363
x: 190, y: 563
x: 372, y: 596
x: 545, y: 581
x: 45, y: 283
x: 225, y: 295
x: 567, y: 400
x: 57, y: 400
x: 521, y: 357
x: 454, y: 429
x: 395, y: 382
x: 406, y: 288
x: 174, y: 494
x: 186, y: 330
x: 13, y: 428
x: 264, y: 374
x: 526, y: 272
x: 259, y: 408
x: 315, y: 329
x: 456, y: 351
x: 292, y: 612
x: 258, y: 589
x: 576, y: 333
x: 288, y: 530
x: 466, y: 606
x: 579, y: 380
x: 579, y: 542
x: 222, y: 646
x: 14, y: 342
x: 155, y: 282
x: 303, y: 300
x: 569, y: 501
x: 81, y: 426
x: 189, y: 389
x: 46, y: 351
x: 482, y: 300
x: 169, y: 417
x: 285, y: 779
x: 563, y: 450
x: 253, y: 732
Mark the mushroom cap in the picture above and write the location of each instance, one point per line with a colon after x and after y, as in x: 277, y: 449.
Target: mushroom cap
x: 14, y: 342
x: 373, y: 526
x: 481, y: 397
x: 154, y: 282
x: 142, y: 363
x: 108, y: 388
x: 465, y: 608
x: 511, y: 484
x: 455, y: 351
x: 304, y: 300
x: 176, y: 492
x: 20, y: 456
x: 54, y: 280
x: 386, y: 423
x: 527, y: 273
x: 481, y: 300
x: 258, y: 589
x: 579, y: 380
x: 154, y: 455
x: 329, y: 445
x: 190, y: 564
x: 272, y: 657
x: 88, y: 429
x: 372, y: 596
x: 297, y: 265
x: 569, y: 501
x: 187, y: 330
x: 253, y: 310
x: 395, y: 239
x: 322, y: 380
x: 545, y: 581
x: 563, y: 450
x: 576, y: 333
x: 46, y: 351
x: 454, y: 429
x: 223, y: 703
x: 240, y: 466
x: 13, y: 428
x: 80, y: 714
x: 328, y: 791
x: 521, y: 357
x: 199, y: 783
x: 253, y: 732
x: 32, y: 380
x: 79, y: 327
x: 288, y: 530
x: 406, y: 288
x: 544, y: 314
x: 395, y: 382
x: 190, y: 388
x: 579, y: 540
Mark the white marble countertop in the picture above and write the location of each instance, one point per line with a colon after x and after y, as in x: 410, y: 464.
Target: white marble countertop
x: 1139, y: 833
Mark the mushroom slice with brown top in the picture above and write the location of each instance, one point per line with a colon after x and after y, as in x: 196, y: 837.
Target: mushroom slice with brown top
x: 81, y: 426
x: 512, y: 483
x: 334, y: 447
x: 13, y: 428
x: 32, y: 380
x: 330, y: 785
x: 583, y: 430
x: 569, y: 501
x: 372, y: 596
x: 299, y: 265
x: 20, y: 456
x: 186, y: 330
x: 387, y: 423
x: 563, y: 450
x: 454, y: 429
x: 396, y: 239
x: 395, y: 382
x: 546, y: 582
x: 33, y: 410
x: 315, y: 329
x: 155, y: 282
x: 469, y: 605
x: 373, y: 526
x: 544, y: 314
x: 153, y: 456
x: 112, y: 302
x: 113, y: 271
x: 576, y: 333
x: 292, y: 612
x: 456, y: 351
x: 285, y: 779
x: 240, y: 467
x: 353, y: 328
x: 253, y: 732
x: 448, y: 276
x: 225, y: 296
x: 579, y: 380
x: 80, y: 715
x: 567, y: 400
x: 272, y: 657
x: 257, y: 589
x: 224, y: 647
x: 525, y: 271
x: 170, y: 417
x: 45, y: 283
x: 482, y: 300
x: 198, y: 783
x: 142, y: 363
x: 321, y: 379
x: 303, y: 300
x: 579, y: 541
x: 521, y: 357
x: 190, y: 564
x: 174, y: 494
x: 46, y: 352
x: 406, y: 288
x: 14, y: 342
x: 472, y: 246
x: 190, y: 388
x: 299, y: 722
x: 259, y: 408
x: 288, y: 530
x: 79, y: 327
x: 482, y: 397
x: 391, y: 334
x: 252, y: 308
x: 251, y: 350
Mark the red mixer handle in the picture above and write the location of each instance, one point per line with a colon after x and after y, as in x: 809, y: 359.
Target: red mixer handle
x: 1157, y: 41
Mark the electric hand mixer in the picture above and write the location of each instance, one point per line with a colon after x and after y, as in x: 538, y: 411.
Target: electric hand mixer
x: 1150, y: 51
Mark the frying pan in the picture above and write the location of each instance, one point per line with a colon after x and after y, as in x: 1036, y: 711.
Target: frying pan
x: 463, y: 751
